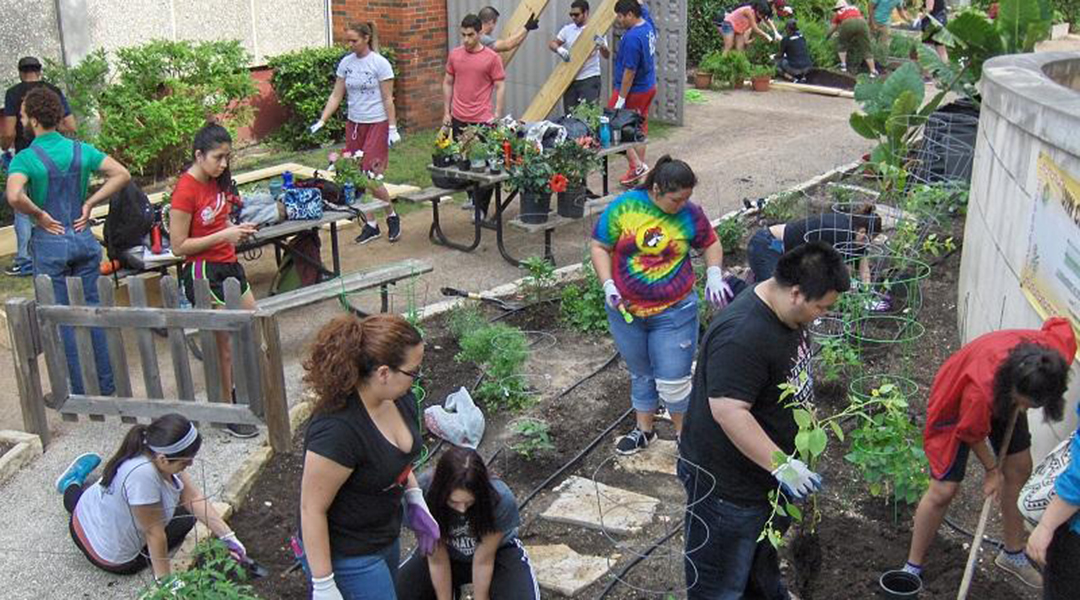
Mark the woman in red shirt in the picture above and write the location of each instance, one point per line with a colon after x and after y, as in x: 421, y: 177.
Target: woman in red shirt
x: 853, y: 35
x: 200, y: 231
x: 973, y: 396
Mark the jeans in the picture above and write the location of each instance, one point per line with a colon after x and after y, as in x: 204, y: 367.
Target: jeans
x: 763, y: 251
x: 724, y: 559
x: 74, y: 255
x: 366, y: 577
x: 585, y: 89
x: 23, y: 227
x: 661, y: 346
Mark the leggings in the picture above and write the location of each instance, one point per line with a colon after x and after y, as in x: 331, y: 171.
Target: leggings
x: 175, y: 532
x: 1062, y: 578
x: 512, y: 579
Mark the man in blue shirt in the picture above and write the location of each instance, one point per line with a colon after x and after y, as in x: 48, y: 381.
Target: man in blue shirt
x: 634, y: 75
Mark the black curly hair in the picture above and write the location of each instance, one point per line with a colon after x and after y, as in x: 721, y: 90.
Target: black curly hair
x: 1037, y: 372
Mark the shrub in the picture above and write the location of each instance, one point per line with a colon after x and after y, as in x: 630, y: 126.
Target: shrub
x: 702, y: 36
x: 730, y: 232
x: 83, y: 86
x: 500, y: 350
x: 822, y: 51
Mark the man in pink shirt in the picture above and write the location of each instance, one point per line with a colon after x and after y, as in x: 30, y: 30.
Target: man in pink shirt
x: 472, y: 72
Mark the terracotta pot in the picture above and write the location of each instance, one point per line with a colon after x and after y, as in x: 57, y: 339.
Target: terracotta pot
x: 760, y: 83
x: 702, y: 81
x: 737, y: 84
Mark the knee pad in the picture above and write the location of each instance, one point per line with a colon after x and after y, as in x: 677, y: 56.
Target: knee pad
x: 674, y: 391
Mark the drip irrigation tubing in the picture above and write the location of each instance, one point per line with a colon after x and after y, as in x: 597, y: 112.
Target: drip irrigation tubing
x: 637, y: 559
x: 986, y: 539
x: 505, y: 314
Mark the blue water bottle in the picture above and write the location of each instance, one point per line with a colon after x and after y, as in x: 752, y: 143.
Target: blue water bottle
x: 605, y: 132
x: 287, y: 180
x: 348, y: 193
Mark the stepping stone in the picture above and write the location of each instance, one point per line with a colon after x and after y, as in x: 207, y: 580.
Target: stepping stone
x: 559, y: 569
x: 611, y: 509
x: 659, y: 457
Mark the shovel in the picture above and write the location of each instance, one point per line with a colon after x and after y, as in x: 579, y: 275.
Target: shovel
x: 503, y: 304
x: 969, y: 570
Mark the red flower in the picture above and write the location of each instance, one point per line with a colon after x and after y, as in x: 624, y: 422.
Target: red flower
x: 558, y: 183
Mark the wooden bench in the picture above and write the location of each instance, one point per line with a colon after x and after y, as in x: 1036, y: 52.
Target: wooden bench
x: 554, y: 220
x: 382, y: 277
x: 428, y: 194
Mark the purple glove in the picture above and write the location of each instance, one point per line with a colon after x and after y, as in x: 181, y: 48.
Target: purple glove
x: 611, y: 293
x: 421, y: 521
x: 717, y: 291
x: 236, y: 549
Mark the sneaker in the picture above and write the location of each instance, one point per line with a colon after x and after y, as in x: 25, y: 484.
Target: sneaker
x: 368, y: 233
x: 635, y: 176
x: 1021, y: 567
x: 468, y: 205
x: 241, y: 430
x: 15, y: 270
x: 634, y: 442
x: 393, y: 228
x: 77, y: 471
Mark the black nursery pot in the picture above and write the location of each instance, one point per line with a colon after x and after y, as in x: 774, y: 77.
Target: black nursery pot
x: 462, y: 165
x: 441, y: 161
x: 535, y: 207
x: 571, y: 203
x: 900, y: 585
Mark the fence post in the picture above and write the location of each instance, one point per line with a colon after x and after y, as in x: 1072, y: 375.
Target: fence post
x: 275, y: 401
x: 25, y: 347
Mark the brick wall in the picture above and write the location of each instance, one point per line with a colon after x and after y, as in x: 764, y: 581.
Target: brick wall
x: 416, y: 30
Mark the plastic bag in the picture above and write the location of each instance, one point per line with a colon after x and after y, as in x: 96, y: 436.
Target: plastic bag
x: 458, y: 421
x: 259, y: 209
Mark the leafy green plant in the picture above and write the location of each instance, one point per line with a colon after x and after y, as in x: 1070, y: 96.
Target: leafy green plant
x: 540, y: 279
x: 730, y: 232
x: 936, y: 246
x: 734, y: 68
x: 215, y: 576
x: 887, y: 449
x: 82, y: 84
x: 588, y: 113
x: 582, y: 306
x: 500, y: 351
x: 781, y: 208
x: 463, y: 318
x: 822, y: 50
x: 531, y: 171
x: 761, y: 71
x: 835, y: 356
x: 575, y: 159
x: 535, y: 438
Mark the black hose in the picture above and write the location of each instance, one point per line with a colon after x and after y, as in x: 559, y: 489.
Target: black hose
x: 986, y: 539
x: 637, y: 559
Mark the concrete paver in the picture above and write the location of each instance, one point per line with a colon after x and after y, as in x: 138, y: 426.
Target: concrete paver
x: 560, y: 569
x: 595, y: 505
x: 659, y: 457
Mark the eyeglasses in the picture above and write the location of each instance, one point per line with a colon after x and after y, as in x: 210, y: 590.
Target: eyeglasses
x: 414, y: 375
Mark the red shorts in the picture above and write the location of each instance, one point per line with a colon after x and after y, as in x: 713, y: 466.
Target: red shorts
x: 639, y: 101
x: 371, y: 138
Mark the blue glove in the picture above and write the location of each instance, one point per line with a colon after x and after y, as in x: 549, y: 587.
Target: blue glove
x: 797, y: 480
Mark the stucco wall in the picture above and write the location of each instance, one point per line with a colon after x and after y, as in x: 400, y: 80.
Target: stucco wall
x: 27, y: 28
x: 1024, y: 113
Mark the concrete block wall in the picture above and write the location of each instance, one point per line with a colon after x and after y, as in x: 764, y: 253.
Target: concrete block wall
x: 1024, y: 113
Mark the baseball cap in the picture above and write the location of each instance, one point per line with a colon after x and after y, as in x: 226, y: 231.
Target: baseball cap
x: 29, y: 63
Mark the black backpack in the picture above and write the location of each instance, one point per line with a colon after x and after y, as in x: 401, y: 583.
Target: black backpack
x: 629, y: 123
x: 331, y: 192
x: 574, y: 127
x: 129, y: 221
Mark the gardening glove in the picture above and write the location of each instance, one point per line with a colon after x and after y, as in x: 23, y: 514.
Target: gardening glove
x: 611, y: 293
x: 797, y: 479
x: 532, y: 24
x: 717, y: 291
x: 563, y: 53
x: 324, y: 588
x: 878, y: 302
x: 620, y: 102
x: 317, y: 125
x: 778, y: 37
x: 235, y: 546
x: 421, y: 521
x: 395, y: 137
x: 600, y: 40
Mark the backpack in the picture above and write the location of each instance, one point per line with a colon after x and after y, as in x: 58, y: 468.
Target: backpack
x: 129, y: 221
x: 295, y: 272
x: 303, y: 204
x: 629, y: 123
x: 331, y: 192
x: 575, y: 128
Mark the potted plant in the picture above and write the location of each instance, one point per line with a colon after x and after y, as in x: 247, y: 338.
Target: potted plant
x: 712, y: 66
x: 574, y: 159
x: 445, y: 149
x: 531, y: 175
x: 737, y: 68
x: 760, y: 77
x: 478, y: 156
x: 588, y: 113
x: 347, y: 171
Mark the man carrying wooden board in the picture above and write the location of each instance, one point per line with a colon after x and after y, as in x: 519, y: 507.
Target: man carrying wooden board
x: 586, y: 84
x: 634, y: 75
x: 489, y: 18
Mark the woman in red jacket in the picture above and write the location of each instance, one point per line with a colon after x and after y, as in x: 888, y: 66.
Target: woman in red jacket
x: 973, y: 395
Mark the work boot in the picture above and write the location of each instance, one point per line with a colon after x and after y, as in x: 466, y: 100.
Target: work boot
x: 368, y: 233
x: 393, y: 227
x: 634, y: 442
x: 1018, y: 564
x: 77, y: 471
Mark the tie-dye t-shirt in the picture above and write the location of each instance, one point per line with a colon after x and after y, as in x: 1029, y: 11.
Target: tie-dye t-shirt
x: 651, y: 258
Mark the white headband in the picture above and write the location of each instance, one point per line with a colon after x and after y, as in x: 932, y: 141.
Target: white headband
x: 179, y: 445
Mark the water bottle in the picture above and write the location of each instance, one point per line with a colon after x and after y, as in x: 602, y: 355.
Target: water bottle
x: 348, y: 193
x: 605, y: 132
x: 287, y: 180
x: 275, y: 187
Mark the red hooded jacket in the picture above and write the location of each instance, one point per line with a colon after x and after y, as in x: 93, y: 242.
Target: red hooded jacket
x: 962, y: 397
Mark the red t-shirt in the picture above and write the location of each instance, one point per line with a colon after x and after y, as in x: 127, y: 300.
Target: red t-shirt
x: 962, y: 396
x: 475, y: 74
x: 848, y: 13
x: 209, y: 210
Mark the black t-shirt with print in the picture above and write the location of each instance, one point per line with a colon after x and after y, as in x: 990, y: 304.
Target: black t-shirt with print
x: 746, y: 354
x: 365, y: 516
x: 13, y: 104
x: 832, y: 228
x: 458, y: 535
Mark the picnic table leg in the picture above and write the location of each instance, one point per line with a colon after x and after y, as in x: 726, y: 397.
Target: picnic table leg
x: 436, y: 235
x: 499, y: 206
x: 605, y: 175
x: 335, y: 254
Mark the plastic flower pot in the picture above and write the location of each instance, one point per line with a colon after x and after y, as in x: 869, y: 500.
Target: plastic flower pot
x: 760, y: 83
x: 900, y: 585
x: 571, y: 203
x: 535, y: 207
x: 441, y: 160
x: 702, y: 80
x: 494, y: 166
x: 462, y: 164
x: 478, y: 165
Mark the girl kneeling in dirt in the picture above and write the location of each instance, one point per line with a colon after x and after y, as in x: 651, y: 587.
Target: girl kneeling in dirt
x: 144, y: 504
x: 479, y: 519
x: 358, y: 457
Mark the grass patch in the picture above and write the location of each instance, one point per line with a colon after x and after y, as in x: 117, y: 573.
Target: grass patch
x: 14, y: 287
x: 660, y: 131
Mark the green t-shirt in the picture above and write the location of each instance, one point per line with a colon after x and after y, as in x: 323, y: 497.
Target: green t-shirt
x: 60, y: 150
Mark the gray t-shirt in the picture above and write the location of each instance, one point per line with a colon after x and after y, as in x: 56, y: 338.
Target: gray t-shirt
x: 488, y: 40
x: 363, y: 79
x: 105, y: 513
x: 460, y: 542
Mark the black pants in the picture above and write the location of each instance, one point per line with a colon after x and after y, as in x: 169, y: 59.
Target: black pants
x: 512, y: 578
x: 1062, y: 574
x: 586, y: 89
x: 175, y: 532
x: 480, y: 196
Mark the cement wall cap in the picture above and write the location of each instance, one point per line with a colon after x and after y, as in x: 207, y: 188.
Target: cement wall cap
x: 1016, y: 87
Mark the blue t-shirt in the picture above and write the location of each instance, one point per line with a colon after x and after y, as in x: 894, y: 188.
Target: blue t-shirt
x: 883, y: 10
x: 637, y: 52
x: 1067, y: 484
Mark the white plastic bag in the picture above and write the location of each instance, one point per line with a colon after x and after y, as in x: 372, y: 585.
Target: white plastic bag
x: 458, y: 421
x: 1037, y: 493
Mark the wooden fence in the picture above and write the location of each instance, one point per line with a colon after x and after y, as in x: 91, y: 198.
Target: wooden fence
x: 258, y: 376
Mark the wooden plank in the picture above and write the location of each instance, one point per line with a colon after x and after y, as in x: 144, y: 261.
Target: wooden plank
x: 812, y: 89
x: 239, y: 378
x: 209, y: 346
x: 600, y: 21
x: 83, y: 345
x: 151, y: 409
x: 275, y: 402
x: 52, y: 346
x: 514, y: 23
x: 21, y: 333
x: 115, y: 340
x: 146, y: 318
x: 348, y: 283
x: 170, y: 296
x: 428, y: 194
x: 145, y: 338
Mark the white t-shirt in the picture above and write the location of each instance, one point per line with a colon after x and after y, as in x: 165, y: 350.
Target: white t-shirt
x: 363, y: 77
x: 105, y: 514
x: 567, y: 35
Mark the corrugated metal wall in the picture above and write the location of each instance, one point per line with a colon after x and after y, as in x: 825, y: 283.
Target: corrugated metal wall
x: 534, y: 62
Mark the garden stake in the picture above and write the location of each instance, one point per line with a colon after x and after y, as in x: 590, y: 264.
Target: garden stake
x: 969, y: 570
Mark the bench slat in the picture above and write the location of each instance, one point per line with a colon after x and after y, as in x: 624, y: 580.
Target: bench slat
x: 347, y: 283
x: 592, y: 207
x: 428, y: 194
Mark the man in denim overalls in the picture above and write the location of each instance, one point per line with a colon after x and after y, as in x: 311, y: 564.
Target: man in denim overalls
x: 48, y: 182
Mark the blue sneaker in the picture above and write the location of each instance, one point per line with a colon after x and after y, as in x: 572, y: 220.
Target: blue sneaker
x: 78, y: 471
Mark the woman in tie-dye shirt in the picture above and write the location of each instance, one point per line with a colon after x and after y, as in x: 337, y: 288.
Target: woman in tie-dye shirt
x: 641, y: 251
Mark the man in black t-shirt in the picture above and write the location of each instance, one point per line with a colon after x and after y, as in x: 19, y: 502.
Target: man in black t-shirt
x: 793, y: 61
x: 13, y: 138
x: 736, y: 423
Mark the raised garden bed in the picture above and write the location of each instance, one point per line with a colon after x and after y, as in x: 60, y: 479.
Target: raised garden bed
x: 17, y: 449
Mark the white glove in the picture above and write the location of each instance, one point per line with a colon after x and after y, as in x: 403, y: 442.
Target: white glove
x: 620, y: 102
x: 717, y: 291
x: 324, y: 588
x: 563, y: 53
x: 778, y: 37
x: 797, y: 479
x: 611, y: 293
x: 600, y: 40
x: 317, y: 125
x: 395, y: 137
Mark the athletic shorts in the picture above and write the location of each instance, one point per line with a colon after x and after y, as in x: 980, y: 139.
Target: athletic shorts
x: 1021, y: 441
x: 214, y: 272
x: 639, y: 101
x: 371, y: 138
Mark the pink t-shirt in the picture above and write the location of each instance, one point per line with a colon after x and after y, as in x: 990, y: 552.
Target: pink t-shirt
x: 475, y: 74
x: 740, y: 18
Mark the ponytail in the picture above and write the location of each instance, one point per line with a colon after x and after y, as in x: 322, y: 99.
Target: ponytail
x: 133, y: 445
x: 163, y: 431
x: 669, y: 175
x: 366, y: 29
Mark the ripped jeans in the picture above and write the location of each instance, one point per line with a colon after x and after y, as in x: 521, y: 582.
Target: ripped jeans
x: 658, y: 347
